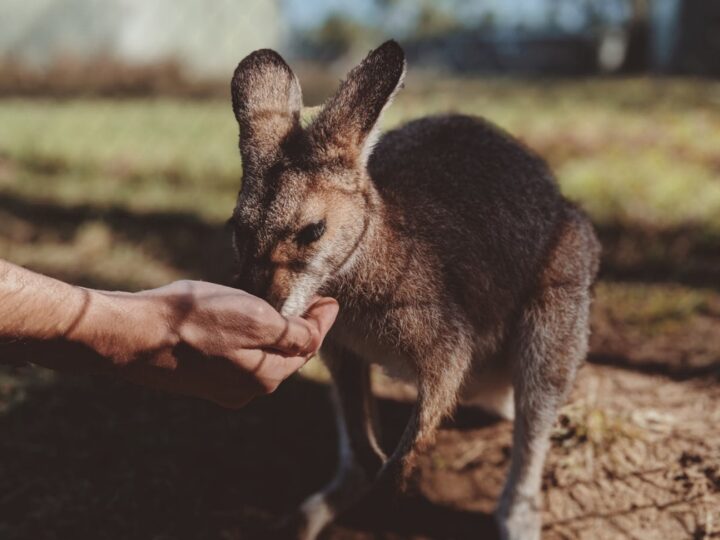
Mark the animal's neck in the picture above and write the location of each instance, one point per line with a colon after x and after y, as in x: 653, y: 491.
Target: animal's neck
x: 377, y: 264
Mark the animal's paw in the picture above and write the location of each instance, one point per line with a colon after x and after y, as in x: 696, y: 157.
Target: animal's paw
x: 305, y: 523
x: 521, y: 521
x: 396, y: 476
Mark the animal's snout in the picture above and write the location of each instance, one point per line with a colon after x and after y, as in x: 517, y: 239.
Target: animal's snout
x: 267, y: 281
x: 254, y: 277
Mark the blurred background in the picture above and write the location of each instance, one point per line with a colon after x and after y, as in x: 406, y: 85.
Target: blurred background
x: 119, y: 167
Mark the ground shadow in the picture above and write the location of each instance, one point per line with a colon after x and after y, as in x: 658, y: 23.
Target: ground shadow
x: 413, y: 516
x: 687, y: 255
x: 92, y: 458
x: 198, y: 248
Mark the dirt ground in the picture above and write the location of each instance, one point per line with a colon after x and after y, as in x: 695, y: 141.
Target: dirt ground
x: 634, y: 455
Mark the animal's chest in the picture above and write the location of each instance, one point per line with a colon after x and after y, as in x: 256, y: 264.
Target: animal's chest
x: 375, y: 347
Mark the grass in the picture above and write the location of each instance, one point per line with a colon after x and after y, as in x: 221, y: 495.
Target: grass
x: 631, y: 151
x: 654, y: 307
x: 144, y: 155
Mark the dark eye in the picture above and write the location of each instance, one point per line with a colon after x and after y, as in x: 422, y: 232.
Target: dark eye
x: 310, y: 233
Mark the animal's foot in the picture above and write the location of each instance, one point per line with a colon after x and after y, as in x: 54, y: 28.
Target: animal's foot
x: 521, y: 521
x: 308, y: 521
x: 305, y: 523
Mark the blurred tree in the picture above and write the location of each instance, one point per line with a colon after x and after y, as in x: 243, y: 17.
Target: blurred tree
x: 698, y: 39
x: 629, y: 35
x: 338, y: 36
x: 638, y: 30
x: 433, y: 21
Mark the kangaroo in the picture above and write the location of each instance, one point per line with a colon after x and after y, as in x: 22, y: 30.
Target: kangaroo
x: 455, y: 259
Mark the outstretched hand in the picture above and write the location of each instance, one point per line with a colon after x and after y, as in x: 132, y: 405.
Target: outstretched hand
x: 214, y: 342
x: 189, y: 337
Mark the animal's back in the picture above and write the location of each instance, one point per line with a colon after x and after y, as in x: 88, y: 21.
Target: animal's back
x: 474, y: 196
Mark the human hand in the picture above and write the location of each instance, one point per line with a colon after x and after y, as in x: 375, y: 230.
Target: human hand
x: 202, y: 339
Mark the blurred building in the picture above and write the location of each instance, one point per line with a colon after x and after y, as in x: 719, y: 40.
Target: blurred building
x: 206, y: 38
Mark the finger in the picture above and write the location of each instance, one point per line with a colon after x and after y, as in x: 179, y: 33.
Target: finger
x: 323, y: 313
x: 303, y: 336
x: 296, y: 337
x: 277, y: 368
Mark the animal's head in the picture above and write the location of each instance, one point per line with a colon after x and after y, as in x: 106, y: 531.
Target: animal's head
x: 303, y: 208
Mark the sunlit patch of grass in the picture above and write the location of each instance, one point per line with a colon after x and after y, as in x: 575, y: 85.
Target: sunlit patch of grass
x: 580, y: 423
x: 158, y: 191
x: 143, y: 154
x: 647, y: 189
x: 316, y: 371
x: 637, y: 150
x: 655, y: 307
x: 145, y: 135
x: 93, y: 256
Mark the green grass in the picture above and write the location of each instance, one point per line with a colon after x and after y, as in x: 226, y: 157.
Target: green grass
x: 145, y: 155
x: 656, y: 309
x: 631, y: 151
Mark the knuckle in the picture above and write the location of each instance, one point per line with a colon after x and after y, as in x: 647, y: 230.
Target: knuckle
x: 260, y: 311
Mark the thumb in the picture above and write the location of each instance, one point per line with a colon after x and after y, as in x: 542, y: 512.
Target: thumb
x: 321, y: 314
x: 303, y: 336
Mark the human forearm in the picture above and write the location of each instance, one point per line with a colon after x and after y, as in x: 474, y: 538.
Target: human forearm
x: 46, y: 321
x: 35, y: 307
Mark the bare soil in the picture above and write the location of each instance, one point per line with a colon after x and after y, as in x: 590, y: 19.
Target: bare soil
x: 634, y: 455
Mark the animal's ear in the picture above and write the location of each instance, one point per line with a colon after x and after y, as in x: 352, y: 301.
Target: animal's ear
x: 347, y: 124
x: 267, y: 100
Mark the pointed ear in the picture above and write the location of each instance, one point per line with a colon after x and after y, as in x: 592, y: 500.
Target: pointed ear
x: 267, y: 100
x: 347, y: 124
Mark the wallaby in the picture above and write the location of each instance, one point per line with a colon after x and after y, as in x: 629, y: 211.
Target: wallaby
x: 454, y: 258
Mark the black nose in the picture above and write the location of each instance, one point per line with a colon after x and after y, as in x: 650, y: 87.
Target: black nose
x: 254, y: 278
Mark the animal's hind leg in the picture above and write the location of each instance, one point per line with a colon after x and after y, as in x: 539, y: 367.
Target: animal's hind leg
x: 360, y: 457
x: 550, y: 344
x: 441, y: 373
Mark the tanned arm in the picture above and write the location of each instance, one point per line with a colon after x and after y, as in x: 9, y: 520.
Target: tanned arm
x: 189, y: 337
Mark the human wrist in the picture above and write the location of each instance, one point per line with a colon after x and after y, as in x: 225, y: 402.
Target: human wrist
x: 123, y: 327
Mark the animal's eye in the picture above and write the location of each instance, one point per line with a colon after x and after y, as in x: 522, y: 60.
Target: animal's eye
x: 310, y: 233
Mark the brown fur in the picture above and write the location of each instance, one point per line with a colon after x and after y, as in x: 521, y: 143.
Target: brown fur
x: 450, y: 250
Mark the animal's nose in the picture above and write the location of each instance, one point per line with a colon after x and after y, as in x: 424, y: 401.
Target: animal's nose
x: 254, y: 277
